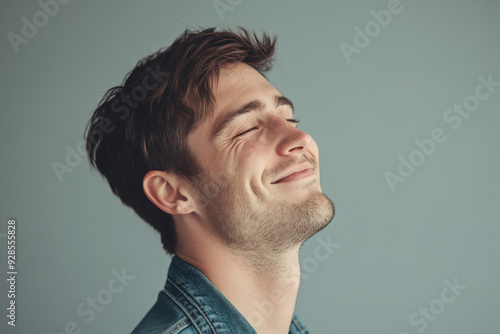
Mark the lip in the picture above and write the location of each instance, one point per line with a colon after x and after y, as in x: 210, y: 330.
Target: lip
x: 296, y: 173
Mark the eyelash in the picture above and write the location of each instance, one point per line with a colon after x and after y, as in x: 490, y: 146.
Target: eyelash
x: 291, y: 120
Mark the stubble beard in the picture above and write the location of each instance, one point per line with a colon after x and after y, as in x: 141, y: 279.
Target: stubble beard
x: 273, y: 229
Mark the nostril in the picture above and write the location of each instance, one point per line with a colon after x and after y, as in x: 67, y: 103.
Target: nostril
x: 298, y: 148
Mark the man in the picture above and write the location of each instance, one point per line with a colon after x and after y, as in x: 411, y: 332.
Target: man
x: 207, y: 151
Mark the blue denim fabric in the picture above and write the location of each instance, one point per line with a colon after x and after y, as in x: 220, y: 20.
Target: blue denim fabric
x: 191, y: 304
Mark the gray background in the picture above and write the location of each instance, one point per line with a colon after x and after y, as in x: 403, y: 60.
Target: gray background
x: 396, y: 248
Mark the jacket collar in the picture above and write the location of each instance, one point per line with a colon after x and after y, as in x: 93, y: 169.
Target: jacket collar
x: 204, y: 304
x: 209, y: 310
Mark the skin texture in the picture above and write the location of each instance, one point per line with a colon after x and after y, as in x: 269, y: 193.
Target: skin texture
x: 243, y: 220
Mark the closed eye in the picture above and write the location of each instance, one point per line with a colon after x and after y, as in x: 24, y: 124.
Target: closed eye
x: 291, y: 120
x: 246, y: 131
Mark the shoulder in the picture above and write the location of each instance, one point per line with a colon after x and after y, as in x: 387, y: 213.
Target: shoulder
x: 165, y: 317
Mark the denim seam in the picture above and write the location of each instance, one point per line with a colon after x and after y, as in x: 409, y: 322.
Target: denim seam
x: 183, y: 308
x: 298, y: 326
x: 178, y: 326
x: 188, y: 297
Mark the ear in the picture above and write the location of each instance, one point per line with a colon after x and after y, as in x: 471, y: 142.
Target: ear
x: 168, y: 192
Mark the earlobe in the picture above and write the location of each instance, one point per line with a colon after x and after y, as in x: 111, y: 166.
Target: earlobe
x: 165, y: 190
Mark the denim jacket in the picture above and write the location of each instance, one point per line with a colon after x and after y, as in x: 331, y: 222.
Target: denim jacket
x: 191, y: 304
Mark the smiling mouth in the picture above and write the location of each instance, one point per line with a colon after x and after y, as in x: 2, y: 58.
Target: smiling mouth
x: 299, y: 175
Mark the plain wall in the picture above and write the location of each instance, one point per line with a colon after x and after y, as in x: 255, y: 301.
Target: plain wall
x: 396, y: 249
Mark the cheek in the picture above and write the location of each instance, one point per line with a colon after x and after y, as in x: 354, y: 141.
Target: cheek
x: 236, y: 161
x: 250, y: 162
x: 239, y: 154
x: 244, y: 160
x: 254, y: 159
x: 249, y: 154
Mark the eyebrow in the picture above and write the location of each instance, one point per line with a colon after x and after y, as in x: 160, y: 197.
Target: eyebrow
x: 255, y: 105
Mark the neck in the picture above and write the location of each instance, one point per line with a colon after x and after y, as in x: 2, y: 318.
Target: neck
x: 263, y: 287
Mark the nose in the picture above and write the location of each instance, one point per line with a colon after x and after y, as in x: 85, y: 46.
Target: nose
x: 290, y: 139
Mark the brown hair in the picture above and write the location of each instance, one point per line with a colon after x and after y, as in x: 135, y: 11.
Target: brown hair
x: 142, y: 124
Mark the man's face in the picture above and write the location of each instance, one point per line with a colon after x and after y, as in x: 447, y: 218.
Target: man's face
x: 271, y: 198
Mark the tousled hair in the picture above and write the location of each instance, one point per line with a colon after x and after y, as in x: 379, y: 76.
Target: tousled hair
x: 142, y: 124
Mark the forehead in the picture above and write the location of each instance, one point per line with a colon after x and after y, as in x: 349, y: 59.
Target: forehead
x: 239, y: 84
